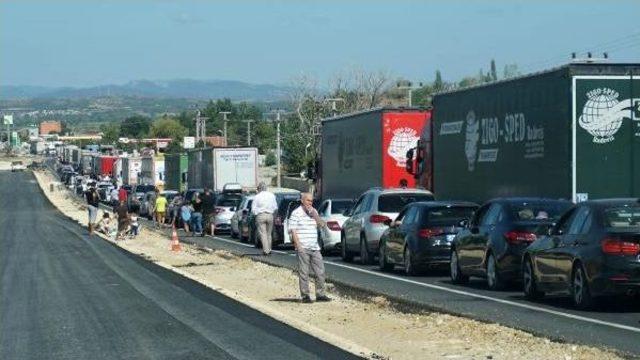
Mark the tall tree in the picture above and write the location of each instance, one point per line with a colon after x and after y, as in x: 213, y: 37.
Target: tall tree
x: 110, y: 133
x: 136, y: 126
x: 438, y: 84
x: 494, y: 73
x: 167, y: 127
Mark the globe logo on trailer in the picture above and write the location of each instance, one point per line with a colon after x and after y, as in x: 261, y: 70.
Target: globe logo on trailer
x: 472, y: 136
x: 602, y: 114
x: 403, y: 140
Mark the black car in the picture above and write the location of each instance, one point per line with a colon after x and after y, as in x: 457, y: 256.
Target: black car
x: 593, y: 251
x: 421, y: 235
x: 283, y: 199
x: 494, y: 241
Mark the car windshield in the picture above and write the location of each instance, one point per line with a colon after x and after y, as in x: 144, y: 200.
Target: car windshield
x: 145, y: 188
x: 393, y: 203
x: 339, y: 206
x: 447, y: 216
x: 284, y: 202
x: 228, y: 201
x: 538, y: 210
x: 622, y: 217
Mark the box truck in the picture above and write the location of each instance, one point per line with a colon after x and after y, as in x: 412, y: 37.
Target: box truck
x: 367, y: 149
x: 152, y: 170
x: 176, y: 171
x: 572, y: 132
x: 214, y: 167
x: 131, y: 167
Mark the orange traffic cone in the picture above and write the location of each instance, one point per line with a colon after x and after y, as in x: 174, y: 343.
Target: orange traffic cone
x: 175, y: 243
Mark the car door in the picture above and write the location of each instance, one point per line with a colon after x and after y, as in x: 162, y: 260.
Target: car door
x: 546, y: 260
x: 394, y: 237
x: 477, y: 247
x: 463, y: 241
x: 407, y: 230
x: 350, y: 226
x: 571, y: 243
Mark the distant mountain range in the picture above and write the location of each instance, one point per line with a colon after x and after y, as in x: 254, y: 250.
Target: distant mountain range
x: 182, y: 88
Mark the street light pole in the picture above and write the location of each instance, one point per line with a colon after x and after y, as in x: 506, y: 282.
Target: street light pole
x: 224, y: 115
x: 278, y: 179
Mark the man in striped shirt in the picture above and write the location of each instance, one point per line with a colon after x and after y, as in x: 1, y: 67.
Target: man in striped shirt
x: 303, y: 226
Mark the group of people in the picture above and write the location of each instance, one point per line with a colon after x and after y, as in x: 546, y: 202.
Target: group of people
x: 125, y: 223
x: 304, y: 223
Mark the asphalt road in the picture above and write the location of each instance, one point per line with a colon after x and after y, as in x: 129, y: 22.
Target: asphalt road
x: 615, y: 324
x: 65, y: 295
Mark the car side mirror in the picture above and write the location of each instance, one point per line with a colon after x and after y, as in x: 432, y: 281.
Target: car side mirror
x: 388, y: 222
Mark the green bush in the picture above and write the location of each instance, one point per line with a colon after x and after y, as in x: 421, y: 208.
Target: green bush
x: 270, y: 160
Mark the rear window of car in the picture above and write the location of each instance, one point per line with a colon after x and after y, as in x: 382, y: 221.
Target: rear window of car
x: 624, y: 217
x: 228, y: 201
x: 447, y: 216
x: 339, y: 206
x: 538, y: 211
x: 284, y: 203
x: 393, y: 203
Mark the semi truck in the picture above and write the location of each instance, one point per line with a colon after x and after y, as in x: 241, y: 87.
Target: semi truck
x: 176, y: 171
x: 103, y: 165
x: 152, y: 170
x: 571, y: 132
x: 367, y: 149
x: 130, y: 170
x: 214, y: 167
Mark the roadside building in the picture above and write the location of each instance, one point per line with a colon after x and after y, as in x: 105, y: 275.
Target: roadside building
x: 47, y: 127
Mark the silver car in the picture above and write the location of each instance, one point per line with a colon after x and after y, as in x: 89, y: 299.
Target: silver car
x: 361, y: 232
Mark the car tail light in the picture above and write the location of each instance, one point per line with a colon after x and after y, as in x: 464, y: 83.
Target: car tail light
x: 378, y: 219
x: 611, y: 246
x: 519, y: 237
x: 333, y: 225
x: 430, y: 232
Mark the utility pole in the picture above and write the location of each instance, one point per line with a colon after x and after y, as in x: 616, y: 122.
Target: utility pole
x: 248, y: 130
x: 224, y: 115
x: 201, y: 127
x: 278, y: 151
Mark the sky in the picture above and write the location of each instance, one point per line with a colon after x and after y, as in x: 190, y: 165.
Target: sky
x: 89, y: 43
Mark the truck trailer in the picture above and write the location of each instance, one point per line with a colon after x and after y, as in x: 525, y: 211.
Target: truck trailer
x: 367, y: 149
x: 214, y: 167
x: 131, y: 167
x: 176, y: 171
x: 152, y: 170
x: 103, y: 165
x: 572, y: 132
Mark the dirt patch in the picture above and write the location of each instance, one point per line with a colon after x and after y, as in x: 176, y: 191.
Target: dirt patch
x: 369, y: 325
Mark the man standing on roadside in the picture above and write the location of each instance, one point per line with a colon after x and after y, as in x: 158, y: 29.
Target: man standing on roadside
x: 122, y: 194
x: 122, y: 212
x: 208, y: 207
x: 263, y: 206
x: 303, y: 226
x: 93, y: 202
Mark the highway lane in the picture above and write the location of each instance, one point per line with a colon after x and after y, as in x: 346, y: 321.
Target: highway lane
x: 615, y: 324
x: 66, y: 295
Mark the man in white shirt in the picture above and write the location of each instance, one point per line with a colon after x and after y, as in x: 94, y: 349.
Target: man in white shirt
x: 303, y: 226
x: 263, y: 206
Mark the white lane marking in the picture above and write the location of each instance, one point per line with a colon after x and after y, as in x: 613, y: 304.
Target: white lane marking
x: 462, y: 292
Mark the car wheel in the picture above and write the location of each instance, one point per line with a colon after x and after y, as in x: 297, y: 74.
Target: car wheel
x: 493, y: 276
x: 409, y: 263
x: 530, y: 287
x: 457, y: 277
x: 580, y: 293
x: 346, y: 255
x: 382, y: 259
x: 365, y: 255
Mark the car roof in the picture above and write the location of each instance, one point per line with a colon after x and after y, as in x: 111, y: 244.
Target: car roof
x: 400, y: 191
x: 437, y: 204
x: 526, y: 199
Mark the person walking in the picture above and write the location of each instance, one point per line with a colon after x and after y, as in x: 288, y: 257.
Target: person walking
x: 303, y: 227
x: 208, y: 210
x: 196, y: 216
x: 122, y: 212
x: 93, y: 202
x: 263, y: 206
x: 160, y: 209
